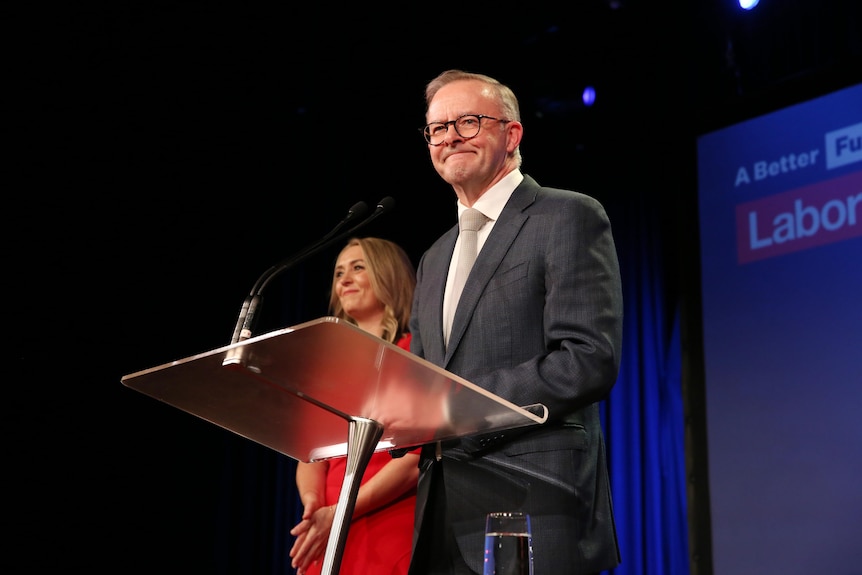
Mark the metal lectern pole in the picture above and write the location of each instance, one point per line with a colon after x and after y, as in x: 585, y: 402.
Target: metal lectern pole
x: 361, y: 443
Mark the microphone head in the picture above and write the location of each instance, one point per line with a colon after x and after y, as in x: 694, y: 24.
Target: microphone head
x: 385, y: 204
x: 358, y: 210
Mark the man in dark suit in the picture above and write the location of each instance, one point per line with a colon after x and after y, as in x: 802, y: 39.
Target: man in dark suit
x: 539, y: 321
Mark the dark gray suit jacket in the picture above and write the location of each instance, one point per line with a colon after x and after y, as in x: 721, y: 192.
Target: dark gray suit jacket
x: 539, y: 321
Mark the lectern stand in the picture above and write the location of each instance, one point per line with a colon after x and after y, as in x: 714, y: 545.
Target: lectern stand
x: 327, y: 389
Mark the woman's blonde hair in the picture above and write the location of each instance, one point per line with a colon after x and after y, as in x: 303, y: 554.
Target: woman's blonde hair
x: 393, y: 279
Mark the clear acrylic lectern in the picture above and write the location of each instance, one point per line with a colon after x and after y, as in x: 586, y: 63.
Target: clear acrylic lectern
x: 327, y: 389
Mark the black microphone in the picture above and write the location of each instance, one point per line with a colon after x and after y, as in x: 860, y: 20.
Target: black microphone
x: 248, y: 313
x: 358, y: 210
x: 383, y: 206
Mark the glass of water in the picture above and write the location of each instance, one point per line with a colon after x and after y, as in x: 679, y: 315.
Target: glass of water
x: 508, y: 544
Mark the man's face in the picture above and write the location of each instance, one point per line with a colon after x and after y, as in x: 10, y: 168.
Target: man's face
x: 475, y: 161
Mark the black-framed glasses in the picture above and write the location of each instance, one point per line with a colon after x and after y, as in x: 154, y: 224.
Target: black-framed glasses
x: 467, y: 126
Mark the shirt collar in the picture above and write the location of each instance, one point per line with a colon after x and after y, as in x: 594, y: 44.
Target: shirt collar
x: 494, y: 199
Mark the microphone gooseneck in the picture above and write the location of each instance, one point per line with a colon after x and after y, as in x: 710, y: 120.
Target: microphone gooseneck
x: 250, y: 307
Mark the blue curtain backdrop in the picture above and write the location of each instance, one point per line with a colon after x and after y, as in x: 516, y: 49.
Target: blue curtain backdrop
x: 643, y: 419
x: 643, y: 416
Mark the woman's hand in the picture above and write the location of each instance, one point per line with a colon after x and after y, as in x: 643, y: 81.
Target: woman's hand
x: 312, y: 535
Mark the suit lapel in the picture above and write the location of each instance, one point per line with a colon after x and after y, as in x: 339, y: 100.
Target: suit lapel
x: 496, y: 247
x: 435, y: 350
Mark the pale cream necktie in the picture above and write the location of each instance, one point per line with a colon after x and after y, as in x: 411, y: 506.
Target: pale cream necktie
x: 472, y: 221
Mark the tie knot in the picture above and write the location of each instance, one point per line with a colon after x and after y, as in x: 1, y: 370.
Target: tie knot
x: 472, y: 220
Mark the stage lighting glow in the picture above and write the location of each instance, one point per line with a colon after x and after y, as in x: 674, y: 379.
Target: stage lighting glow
x: 748, y: 4
x: 589, y: 96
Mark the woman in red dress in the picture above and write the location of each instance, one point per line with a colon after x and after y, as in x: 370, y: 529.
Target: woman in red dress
x: 372, y: 288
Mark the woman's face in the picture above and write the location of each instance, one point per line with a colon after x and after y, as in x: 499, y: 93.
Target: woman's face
x: 353, y: 286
